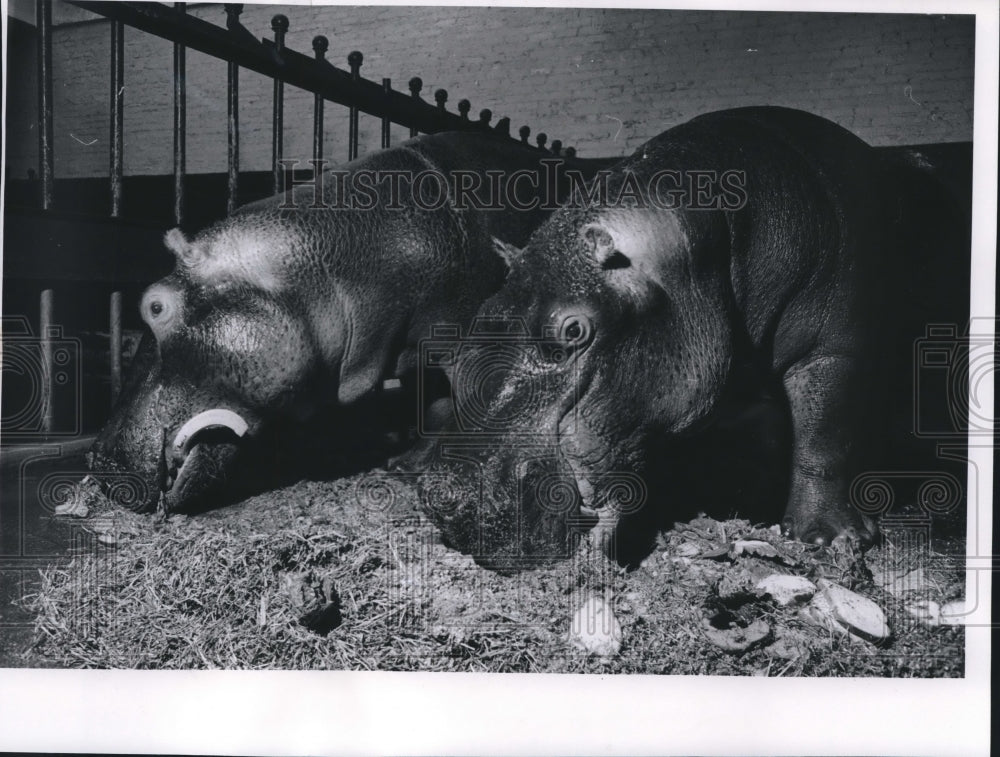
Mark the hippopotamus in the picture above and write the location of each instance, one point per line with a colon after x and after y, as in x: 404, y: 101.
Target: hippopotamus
x: 310, y: 300
x: 737, y: 269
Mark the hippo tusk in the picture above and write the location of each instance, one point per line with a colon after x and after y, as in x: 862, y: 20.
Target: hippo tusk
x: 214, y: 418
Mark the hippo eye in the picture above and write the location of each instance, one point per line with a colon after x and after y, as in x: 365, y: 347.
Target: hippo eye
x: 575, y: 331
x: 159, y: 308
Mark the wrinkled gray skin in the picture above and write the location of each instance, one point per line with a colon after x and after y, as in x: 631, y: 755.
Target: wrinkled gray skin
x: 275, y: 313
x: 643, y: 324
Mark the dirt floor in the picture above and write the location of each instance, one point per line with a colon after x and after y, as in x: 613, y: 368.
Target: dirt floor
x: 348, y: 575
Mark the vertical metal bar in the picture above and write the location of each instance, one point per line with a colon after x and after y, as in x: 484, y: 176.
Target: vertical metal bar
x: 45, y: 340
x: 233, y: 133
x: 386, y: 123
x: 117, y: 114
x: 320, y: 45
x: 180, y: 123
x: 441, y: 98
x: 43, y: 21
x: 416, y: 84
x: 279, y: 25
x: 233, y: 11
x: 115, y: 347
x: 354, y: 60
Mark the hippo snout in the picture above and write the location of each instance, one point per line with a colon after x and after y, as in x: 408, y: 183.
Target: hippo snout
x: 508, y: 514
x: 192, y: 465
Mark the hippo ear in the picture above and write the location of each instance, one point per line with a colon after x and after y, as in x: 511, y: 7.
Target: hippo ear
x: 602, y: 246
x: 508, y: 252
x: 635, y: 253
x: 186, y: 253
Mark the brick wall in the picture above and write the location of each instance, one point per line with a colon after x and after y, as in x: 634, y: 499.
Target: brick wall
x: 601, y: 80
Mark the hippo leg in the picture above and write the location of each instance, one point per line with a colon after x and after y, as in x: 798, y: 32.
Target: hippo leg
x: 829, y: 420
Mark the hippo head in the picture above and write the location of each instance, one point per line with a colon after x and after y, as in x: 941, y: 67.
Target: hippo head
x: 223, y: 357
x: 604, y: 330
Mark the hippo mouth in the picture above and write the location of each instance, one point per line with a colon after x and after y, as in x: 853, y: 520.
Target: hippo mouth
x: 508, y: 512
x: 197, y: 460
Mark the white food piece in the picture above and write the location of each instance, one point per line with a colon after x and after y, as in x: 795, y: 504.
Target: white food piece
x: 786, y: 590
x: 858, y: 614
x: 753, y: 547
x: 595, y: 629
x: 953, y: 613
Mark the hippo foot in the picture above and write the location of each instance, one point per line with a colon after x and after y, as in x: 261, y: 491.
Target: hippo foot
x: 832, y: 528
